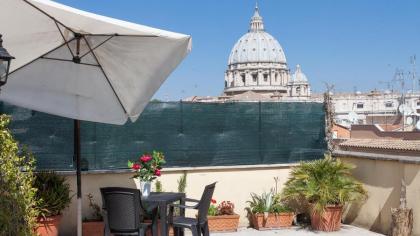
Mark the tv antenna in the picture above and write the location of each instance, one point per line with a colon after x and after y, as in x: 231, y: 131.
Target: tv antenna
x: 412, y: 73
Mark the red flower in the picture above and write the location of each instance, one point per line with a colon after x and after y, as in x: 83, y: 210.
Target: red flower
x: 136, y: 166
x: 213, y: 201
x: 157, y: 172
x: 145, y: 158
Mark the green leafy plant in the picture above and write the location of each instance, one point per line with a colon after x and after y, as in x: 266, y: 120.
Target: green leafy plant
x: 53, y: 193
x: 96, y: 209
x: 213, y: 208
x: 261, y: 203
x: 182, y: 182
x: 148, y: 166
x: 323, y: 182
x: 17, y: 195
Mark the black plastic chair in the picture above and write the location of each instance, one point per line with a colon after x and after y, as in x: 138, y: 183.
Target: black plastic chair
x: 196, y: 225
x: 123, y: 211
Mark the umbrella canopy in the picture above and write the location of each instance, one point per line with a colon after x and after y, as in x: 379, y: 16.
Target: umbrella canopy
x: 84, y: 66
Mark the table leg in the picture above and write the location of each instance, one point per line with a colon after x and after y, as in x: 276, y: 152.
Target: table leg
x: 182, y: 213
x: 155, y: 221
x: 163, y: 221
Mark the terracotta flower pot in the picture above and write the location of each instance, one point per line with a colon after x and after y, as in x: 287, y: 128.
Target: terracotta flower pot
x: 225, y: 223
x: 93, y: 228
x: 48, y: 226
x: 272, y: 221
x: 329, y: 220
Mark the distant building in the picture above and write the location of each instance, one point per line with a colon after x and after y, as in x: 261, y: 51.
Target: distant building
x: 383, y: 108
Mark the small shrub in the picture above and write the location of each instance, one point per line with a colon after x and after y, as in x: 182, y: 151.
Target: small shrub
x: 53, y: 193
x: 17, y: 196
x: 182, y: 183
x: 158, y: 186
x: 96, y: 209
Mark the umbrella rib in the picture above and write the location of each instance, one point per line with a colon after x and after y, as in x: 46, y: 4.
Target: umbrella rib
x: 59, y: 46
x: 91, y: 50
x: 67, y: 60
x: 45, y: 13
x: 106, y: 77
x: 123, y: 35
x: 67, y: 43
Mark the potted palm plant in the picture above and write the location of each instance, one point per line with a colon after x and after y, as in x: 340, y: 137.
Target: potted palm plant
x: 327, y: 185
x: 94, y: 225
x: 222, y: 217
x: 268, y: 212
x: 53, y: 196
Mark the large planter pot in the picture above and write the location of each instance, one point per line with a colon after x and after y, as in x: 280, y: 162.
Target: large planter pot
x: 272, y: 221
x: 93, y: 228
x: 224, y: 223
x: 328, y: 220
x: 48, y: 226
x: 143, y: 186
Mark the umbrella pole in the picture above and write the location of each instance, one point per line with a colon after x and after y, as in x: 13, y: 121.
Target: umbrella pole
x: 78, y: 175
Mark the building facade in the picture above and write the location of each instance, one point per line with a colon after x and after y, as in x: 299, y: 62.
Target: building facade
x: 258, y: 63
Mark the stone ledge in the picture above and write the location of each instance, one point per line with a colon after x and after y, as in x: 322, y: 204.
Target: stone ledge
x: 190, y: 169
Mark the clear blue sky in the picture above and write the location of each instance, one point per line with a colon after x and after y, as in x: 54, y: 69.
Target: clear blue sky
x: 348, y: 43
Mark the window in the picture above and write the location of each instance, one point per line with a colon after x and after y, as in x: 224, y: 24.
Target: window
x: 265, y: 77
x: 389, y: 104
x: 298, y: 90
x: 226, y: 83
x: 254, y: 77
x: 418, y: 103
x: 276, y: 77
x: 359, y: 105
x: 243, y: 78
x: 232, y: 84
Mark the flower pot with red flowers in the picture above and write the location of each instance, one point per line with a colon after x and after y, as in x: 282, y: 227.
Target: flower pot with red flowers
x: 222, y: 218
x: 266, y: 211
x: 53, y: 196
x: 147, y: 168
x: 93, y: 225
x: 326, y: 185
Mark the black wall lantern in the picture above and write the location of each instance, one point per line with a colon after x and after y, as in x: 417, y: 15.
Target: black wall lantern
x: 5, y: 60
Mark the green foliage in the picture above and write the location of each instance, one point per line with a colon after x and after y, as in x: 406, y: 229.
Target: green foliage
x: 148, y: 166
x: 53, y: 193
x: 182, y: 183
x: 212, y: 210
x: 96, y: 209
x: 261, y: 203
x: 17, y: 196
x: 158, y: 186
x: 267, y: 202
x: 323, y: 182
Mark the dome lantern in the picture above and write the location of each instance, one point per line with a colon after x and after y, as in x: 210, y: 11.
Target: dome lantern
x: 257, y: 23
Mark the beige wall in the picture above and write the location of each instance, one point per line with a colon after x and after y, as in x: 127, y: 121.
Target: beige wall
x: 383, y: 182
x: 234, y: 184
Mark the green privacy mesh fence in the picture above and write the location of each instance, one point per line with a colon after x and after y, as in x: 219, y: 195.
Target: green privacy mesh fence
x: 190, y: 134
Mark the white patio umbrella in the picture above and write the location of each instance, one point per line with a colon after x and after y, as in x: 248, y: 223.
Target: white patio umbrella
x: 84, y: 66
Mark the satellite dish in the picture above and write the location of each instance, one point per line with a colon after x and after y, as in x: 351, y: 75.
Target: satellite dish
x: 353, y: 117
x: 409, y: 120
x: 418, y: 125
x: 405, y: 110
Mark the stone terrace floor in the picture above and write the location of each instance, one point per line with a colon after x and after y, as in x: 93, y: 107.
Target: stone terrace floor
x: 346, y: 230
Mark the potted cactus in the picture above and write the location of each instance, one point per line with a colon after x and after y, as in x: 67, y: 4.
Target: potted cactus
x: 53, y: 196
x: 222, y: 217
x: 327, y: 185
